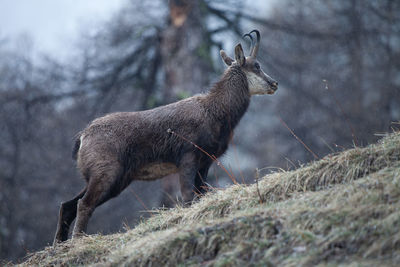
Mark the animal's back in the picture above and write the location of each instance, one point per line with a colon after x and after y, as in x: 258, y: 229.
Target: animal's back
x: 141, y: 123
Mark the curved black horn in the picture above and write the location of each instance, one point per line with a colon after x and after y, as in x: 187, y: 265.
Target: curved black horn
x: 256, y: 46
x: 252, y: 41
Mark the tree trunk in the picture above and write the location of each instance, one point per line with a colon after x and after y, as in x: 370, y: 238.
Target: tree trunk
x: 185, y: 50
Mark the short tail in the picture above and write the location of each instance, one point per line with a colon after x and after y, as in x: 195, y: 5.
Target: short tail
x: 76, y: 146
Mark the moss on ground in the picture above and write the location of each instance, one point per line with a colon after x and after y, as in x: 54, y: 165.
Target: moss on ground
x: 341, y: 210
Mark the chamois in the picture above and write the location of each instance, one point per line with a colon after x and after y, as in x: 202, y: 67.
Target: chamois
x: 118, y: 148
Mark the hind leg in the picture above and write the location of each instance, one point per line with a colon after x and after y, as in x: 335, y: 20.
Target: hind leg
x: 66, y: 216
x: 100, y: 189
x: 85, y: 210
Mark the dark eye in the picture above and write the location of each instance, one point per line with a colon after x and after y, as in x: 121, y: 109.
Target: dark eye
x: 257, y: 66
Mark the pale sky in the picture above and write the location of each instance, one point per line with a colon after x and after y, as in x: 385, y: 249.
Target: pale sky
x: 53, y: 24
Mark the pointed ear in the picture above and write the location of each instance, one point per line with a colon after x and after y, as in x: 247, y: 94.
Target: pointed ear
x: 228, y: 60
x: 239, y: 55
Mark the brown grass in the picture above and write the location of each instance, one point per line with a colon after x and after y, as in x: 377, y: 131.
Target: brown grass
x: 341, y: 210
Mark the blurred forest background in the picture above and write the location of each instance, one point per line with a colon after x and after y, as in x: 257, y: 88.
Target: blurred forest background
x: 337, y: 63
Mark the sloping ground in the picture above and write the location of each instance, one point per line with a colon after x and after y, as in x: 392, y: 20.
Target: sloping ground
x: 342, y: 210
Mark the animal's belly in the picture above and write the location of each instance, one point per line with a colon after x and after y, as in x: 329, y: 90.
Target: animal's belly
x: 156, y: 170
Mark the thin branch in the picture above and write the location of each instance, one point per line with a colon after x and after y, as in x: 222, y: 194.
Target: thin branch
x: 260, y: 197
x: 298, y: 139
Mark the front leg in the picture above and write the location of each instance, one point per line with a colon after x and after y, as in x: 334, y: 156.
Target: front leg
x: 187, y: 172
x: 200, y: 181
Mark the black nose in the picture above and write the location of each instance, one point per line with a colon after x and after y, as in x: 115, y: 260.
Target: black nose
x: 274, y: 85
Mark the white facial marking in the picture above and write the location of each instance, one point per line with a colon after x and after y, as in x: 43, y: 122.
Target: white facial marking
x: 80, y: 145
x: 257, y: 85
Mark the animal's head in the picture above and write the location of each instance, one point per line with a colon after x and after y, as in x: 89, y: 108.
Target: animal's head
x: 259, y: 82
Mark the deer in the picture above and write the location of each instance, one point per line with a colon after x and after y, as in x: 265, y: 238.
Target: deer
x: 120, y: 147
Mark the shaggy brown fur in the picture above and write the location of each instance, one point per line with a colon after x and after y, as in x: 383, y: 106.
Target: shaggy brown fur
x: 120, y: 147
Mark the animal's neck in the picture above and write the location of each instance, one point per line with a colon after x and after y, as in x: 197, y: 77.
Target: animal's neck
x: 229, y: 98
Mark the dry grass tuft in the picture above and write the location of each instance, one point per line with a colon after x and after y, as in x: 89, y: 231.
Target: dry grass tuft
x: 343, y: 209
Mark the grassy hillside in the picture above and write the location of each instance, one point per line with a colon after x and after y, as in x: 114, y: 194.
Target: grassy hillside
x: 343, y: 209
